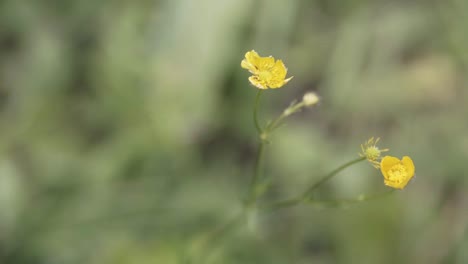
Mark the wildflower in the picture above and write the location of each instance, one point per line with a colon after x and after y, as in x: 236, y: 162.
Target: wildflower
x: 310, y: 99
x: 371, y: 152
x: 267, y: 72
x: 397, y: 173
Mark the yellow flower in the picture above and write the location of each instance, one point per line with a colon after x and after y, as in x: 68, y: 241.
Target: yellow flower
x: 397, y: 173
x: 267, y: 73
x: 371, y: 152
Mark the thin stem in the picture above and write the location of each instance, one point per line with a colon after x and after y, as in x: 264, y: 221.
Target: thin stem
x: 305, y: 196
x: 253, y: 191
x: 329, y: 176
x: 255, y: 112
x: 213, y: 239
x: 275, y: 123
x: 290, y: 110
x: 282, y: 204
x: 327, y: 203
x: 343, y: 202
x: 257, y: 173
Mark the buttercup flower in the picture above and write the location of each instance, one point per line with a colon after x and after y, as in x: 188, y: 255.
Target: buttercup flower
x: 267, y: 72
x: 397, y: 173
x: 371, y: 152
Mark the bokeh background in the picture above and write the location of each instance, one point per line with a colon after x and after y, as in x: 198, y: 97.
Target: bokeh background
x: 126, y: 133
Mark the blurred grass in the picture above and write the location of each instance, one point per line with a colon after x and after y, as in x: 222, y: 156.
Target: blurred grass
x: 126, y: 132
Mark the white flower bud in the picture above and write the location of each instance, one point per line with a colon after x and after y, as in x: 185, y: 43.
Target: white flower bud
x: 310, y: 99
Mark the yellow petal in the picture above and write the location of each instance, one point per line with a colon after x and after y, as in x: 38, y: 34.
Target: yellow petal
x: 279, y: 72
x: 267, y: 72
x: 251, y: 61
x: 386, y: 164
x: 247, y: 65
x: 395, y: 184
x: 274, y: 83
x: 288, y: 79
x: 257, y: 82
x: 252, y: 56
x: 408, y: 163
x: 265, y: 63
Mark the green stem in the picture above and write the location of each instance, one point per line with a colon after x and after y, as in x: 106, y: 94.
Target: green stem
x: 282, y: 204
x: 329, y: 176
x: 253, y: 191
x: 305, y: 195
x: 327, y: 203
x: 343, y: 202
x: 275, y: 123
x: 290, y: 110
x: 255, y: 112
x: 213, y: 239
x: 257, y: 173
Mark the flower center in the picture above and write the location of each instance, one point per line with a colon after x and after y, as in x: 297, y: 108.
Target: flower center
x: 397, y: 173
x: 264, y: 75
x: 373, y: 153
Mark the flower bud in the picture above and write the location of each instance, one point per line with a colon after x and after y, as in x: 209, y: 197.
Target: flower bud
x: 310, y: 99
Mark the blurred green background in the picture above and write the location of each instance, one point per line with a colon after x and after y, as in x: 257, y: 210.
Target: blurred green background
x: 126, y: 133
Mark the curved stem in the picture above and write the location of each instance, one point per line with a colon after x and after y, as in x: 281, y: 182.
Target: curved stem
x: 255, y: 112
x: 329, y: 176
x: 305, y: 195
x: 343, y: 202
x: 327, y: 203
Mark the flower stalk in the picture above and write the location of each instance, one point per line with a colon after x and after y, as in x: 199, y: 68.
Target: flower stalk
x: 255, y: 112
x: 327, y: 203
x: 327, y: 177
x: 258, y: 167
